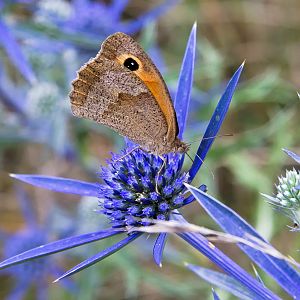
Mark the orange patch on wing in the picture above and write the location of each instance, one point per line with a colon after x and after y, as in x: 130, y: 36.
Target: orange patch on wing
x: 159, y: 91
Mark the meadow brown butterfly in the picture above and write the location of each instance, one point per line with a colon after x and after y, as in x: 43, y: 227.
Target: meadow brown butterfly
x: 122, y: 89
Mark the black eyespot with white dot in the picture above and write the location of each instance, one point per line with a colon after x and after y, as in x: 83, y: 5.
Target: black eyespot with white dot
x: 131, y: 64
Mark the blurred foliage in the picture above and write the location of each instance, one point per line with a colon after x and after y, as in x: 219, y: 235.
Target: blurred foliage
x: 38, y: 134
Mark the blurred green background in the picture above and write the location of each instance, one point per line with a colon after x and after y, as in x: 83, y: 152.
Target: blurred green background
x: 263, y: 118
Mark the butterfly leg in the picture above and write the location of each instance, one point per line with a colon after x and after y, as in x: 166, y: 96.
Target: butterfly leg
x: 123, y: 156
x: 159, y: 172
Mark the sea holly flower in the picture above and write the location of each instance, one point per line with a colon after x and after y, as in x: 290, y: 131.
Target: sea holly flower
x: 287, y: 197
x: 128, y: 196
x: 32, y: 273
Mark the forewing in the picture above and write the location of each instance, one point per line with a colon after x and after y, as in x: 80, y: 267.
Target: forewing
x: 110, y: 94
x: 139, y: 118
x: 103, y: 79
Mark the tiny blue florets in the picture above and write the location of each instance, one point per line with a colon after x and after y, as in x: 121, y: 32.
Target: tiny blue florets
x: 129, y: 195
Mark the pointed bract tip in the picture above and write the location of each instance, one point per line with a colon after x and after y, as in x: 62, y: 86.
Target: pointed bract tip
x: 270, y: 198
x: 193, y: 34
x: 236, y: 76
x: 56, y: 280
x: 160, y: 265
x: 298, y: 94
x: 12, y: 175
x: 241, y: 67
x: 286, y: 151
x: 188, y: 186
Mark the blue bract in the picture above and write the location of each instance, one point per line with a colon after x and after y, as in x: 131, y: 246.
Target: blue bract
x: 222, y: 281
x: 293, y: 155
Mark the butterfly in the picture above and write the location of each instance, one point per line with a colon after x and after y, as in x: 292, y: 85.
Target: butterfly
x: 121, y: 88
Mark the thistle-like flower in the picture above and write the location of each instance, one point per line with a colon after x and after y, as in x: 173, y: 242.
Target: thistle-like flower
x: 288, y: 195
x: 129, y: 197
x: 287, y: 198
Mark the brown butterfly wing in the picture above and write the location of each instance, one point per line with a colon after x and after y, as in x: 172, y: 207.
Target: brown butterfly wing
x: 110, y: 94
x: 117, y: 47
x: 98, y: 85
x: 139, y: 118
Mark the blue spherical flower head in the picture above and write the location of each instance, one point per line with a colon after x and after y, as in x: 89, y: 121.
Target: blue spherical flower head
x: 140, y: 186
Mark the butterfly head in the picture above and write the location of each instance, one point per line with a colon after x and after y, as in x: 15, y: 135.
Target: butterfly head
x: 180, y: 146
x: 177, y: 146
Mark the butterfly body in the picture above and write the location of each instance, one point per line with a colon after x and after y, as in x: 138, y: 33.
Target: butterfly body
x: 122, y: 89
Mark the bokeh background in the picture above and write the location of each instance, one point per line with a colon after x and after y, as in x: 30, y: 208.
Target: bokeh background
x: 43, y: 43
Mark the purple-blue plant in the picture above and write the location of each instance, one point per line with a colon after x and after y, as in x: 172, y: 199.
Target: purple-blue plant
x: 128, y: 195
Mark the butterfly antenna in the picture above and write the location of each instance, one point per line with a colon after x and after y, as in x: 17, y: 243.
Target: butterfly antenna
x: 211, y: 172
x: 213, y: 137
